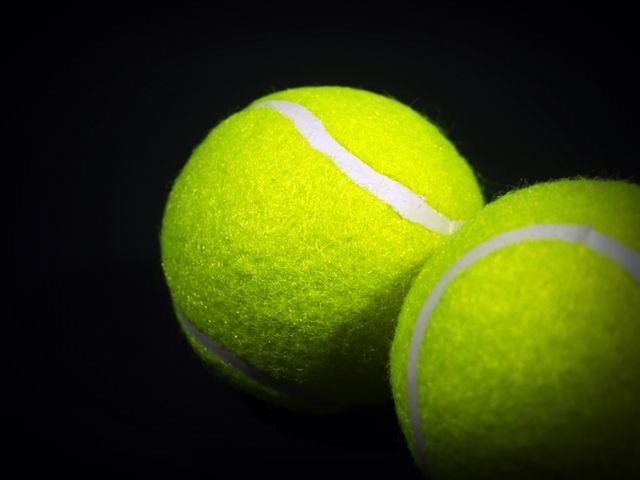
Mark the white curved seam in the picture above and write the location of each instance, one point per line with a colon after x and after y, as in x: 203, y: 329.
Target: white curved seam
x: 624, y: 256
x: 262, y: 378
x: 407, y: 203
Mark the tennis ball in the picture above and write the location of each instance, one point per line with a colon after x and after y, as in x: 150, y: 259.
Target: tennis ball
x: 517, y: 351
x: 293, y: 232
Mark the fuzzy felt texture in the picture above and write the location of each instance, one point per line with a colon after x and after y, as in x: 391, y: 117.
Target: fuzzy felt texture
x: 275, y: 253
x: 530, y: 366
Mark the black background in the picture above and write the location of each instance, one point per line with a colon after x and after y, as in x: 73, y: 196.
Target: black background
x: 109, y: 104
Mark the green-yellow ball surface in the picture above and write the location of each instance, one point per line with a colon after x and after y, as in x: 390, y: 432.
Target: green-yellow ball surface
x: 292, y: 234
x: 517, y: 351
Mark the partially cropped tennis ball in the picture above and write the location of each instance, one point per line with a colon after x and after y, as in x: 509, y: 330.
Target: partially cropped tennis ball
x: 292, y: 235
x: 517, y: 352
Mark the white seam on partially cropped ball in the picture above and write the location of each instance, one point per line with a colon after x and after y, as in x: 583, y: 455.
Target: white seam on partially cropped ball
x: 407, y: 203
x: 624, y: 256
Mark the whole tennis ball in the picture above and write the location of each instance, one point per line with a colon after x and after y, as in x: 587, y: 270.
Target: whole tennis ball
x: 292, y: 235
x: 517, y: 351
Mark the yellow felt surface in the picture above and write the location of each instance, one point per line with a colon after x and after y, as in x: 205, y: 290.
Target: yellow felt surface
x: 530, y: 366
x: 276, y: 254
